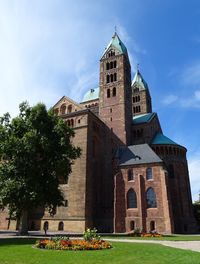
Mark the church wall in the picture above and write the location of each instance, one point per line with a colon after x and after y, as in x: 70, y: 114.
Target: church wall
x: 142, y: 216
x: 179, y: 186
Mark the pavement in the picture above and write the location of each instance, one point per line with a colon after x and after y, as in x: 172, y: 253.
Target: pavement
x: 188, y: 245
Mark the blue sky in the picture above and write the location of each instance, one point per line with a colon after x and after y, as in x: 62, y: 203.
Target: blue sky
x: 52, y: 48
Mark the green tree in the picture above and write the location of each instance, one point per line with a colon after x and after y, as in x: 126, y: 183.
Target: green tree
x: 35, y: 150
x: 196, y: 209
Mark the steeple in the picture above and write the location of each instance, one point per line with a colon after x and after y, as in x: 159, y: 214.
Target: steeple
x: 115, y: 89
x: 141, y: 97
x: 117, y: 45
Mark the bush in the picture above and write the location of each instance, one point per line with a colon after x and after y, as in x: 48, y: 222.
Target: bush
x: 91, y: 234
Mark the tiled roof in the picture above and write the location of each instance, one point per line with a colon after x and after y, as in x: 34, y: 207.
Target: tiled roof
x: 161, y: 139
x: 144, y: 118
x: 90, y: 95
x: 137, y: 154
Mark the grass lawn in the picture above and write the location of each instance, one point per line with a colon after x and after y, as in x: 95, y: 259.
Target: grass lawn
x: 167, y: 237
x: 20, y: 251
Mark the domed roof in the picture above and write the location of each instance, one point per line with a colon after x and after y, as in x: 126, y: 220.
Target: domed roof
x: 90, y: 95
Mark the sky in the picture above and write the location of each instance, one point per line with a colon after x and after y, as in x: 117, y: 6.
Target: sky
x: 52, y: 48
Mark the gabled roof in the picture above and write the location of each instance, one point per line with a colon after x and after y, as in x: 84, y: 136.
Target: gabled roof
x: 65, y: 98
x: 139, y: 81
x: 118, y: 44
x: 137, y: 154
x: 161, y: 139
x: 90, y: 95
x: 144, y: 118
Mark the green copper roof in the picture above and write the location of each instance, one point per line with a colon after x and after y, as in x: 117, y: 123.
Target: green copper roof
x: 139, y: 81
x: 118, y: 44
x: 92, y: 94
x: 144, y: 118
x: 161, y: 139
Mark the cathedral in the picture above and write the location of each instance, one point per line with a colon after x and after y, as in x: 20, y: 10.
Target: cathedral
x: 130, y: 175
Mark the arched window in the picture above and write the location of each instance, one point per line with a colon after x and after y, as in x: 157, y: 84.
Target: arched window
x: 111, y: 65
x: 115, y: 77
x: 131, y: 199
x: 107, y: 78
x: 151, y: 198
x: 132, y: 225
x: 149, y: 174
x: 114, y: 92
x: 46, y: 225
x: 63, y: 109
x: 133, y: 99
x: 60, y: 226
x: 130, y: 175
x: 107, y: 66
x: 108, y: 93
x: 69, y: 109
x: 115, y: 64
x: 152, y: 226
x: 111, y: 78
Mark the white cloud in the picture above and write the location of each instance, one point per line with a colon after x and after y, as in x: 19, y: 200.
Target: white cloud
x: 194, y: 170
x: 51, y: 50
x: 170, y: 99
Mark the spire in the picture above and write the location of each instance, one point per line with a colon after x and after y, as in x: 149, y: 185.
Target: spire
x: 139, y: 80
x: 117, y: 44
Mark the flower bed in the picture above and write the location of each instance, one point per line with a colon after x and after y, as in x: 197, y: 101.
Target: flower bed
x: 72, y: 244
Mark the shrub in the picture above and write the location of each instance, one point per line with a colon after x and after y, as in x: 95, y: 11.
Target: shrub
x: 91, y: 234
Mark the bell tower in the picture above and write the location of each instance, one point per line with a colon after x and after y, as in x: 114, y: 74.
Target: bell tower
x: 115, y: 104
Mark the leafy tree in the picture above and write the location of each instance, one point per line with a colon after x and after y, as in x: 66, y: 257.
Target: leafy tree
x: 196, y: 208
x: 35, y: 150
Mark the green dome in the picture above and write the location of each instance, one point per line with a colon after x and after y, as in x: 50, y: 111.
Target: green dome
x: 90, y: 95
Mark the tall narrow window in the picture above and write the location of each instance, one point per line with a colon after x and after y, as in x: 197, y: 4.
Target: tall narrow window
x: 63, y: 109
x: 115, y: 64
x: 108, y: 93
x: 107, y: 66
x: 111, y: 78
x: 115, y: 77
x: 149, y: 174
x: 151, y: 198
x: 69, y: 109
x: 131, y: 199
x: 114, y: 92
x: 107, y: 78
x: 132, y: 225
x: 130, y: 175
x: 152, y: 226
x: 111, y: 65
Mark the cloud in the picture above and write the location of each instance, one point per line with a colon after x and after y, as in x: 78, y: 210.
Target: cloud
x: 51, y: 50
x: 169, y: 99
x: 194, y: 171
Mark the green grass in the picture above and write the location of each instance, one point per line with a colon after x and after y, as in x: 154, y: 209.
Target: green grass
x: 20, y: 251
x: 167, y: 238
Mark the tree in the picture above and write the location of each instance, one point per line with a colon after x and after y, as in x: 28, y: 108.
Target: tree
x: 196, y: 209
x: 35, y: 150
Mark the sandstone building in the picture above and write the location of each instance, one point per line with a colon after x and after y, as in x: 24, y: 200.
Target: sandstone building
x: 130, y: 175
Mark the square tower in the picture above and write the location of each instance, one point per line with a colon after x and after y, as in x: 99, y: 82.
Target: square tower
x: 115, y: 106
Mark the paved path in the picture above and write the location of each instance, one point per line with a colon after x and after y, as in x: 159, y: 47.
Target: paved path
x: 190, y: 245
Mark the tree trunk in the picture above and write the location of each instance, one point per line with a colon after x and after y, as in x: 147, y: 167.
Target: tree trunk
x: 23, y: 223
